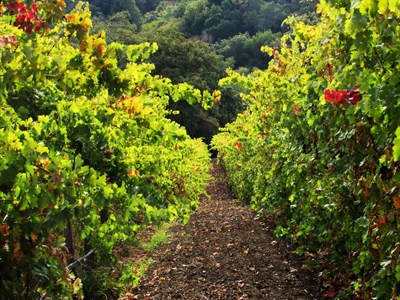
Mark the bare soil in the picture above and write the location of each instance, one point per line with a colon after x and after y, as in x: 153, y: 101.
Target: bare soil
x: 226, y: 252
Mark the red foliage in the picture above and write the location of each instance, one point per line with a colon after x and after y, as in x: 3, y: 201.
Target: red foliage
x: 378, y: 224
x: 383, y: 220
x: 343, y: 97
x: 336, y: 97
x: 330, y: 294
x: 354, y: 96
x: 27, y: 19
x: 238, y: 145
x: 15, y: 7
x: 4, y: 230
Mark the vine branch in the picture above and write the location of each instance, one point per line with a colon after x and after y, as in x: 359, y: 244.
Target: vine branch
x: 71, y: 265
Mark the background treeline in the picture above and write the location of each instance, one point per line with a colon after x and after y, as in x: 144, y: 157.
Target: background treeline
x: 216, y: 22
x: 198, y: 40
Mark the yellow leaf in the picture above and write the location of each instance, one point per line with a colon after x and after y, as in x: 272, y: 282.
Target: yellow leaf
x: 323, y: 7
x: 367, y: 6
x: 13, y: 142
x: 217, y: 96
x: 77, y: 285
x: 394, y: 6
x: 267, y: 49
x: 382, y: 6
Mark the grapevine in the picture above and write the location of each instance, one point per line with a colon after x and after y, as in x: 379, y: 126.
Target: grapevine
x: 88, y: 156
x: 328, y: 166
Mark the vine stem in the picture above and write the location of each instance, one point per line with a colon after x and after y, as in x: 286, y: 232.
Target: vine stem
x: 71, y: 265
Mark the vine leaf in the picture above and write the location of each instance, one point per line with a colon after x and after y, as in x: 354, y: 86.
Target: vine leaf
x: 396, y: 147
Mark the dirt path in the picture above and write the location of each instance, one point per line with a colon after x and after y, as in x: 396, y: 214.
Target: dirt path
x: 225, y: 252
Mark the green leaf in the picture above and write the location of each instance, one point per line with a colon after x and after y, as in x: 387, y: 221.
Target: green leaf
x: 357, y: 23
x: 394, y: 5
x: 382, y: 6
x: 367, y: 6
x: 396, y: 145
x: 108, y: 192
x: 41, y: 148
x: 300, y: 250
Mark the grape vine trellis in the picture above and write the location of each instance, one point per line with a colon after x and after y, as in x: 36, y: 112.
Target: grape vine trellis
x: 320, y: 143
x: 87, y: 155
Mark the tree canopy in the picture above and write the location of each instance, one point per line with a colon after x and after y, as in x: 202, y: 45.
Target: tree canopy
x: 198, y: 40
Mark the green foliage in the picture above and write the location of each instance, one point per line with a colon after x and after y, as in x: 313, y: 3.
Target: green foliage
x: 183, y: 60
x: 146, y: 6
x: 160, y: 236
x: 196, y: 63
x: 87, y: 153
x: 118, y: 28
x: 328, y: 171
x: 224, y: 19
x: 111, y: 7
x: 240, y: 24
x: 245, y: 49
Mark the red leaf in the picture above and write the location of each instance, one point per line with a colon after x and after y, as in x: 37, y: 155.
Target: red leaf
x: 378, y: 224
x: 329, y: 95
x: 336, y: 97
x: 27, y: 19
x: 15, y: 7
x: 354, y: 95
x: 238, y: 145
x: 4, y: 230
x: 343, y: 96
x: 330, y: 294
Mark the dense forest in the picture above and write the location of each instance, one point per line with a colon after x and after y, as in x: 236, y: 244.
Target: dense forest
x: 198, y: 41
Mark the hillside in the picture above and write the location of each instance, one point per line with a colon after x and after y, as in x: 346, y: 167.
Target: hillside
x: 198, y: 41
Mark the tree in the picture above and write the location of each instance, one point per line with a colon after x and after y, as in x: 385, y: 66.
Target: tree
x: 146, y: 6
x: 271, y: 16
x: 118, y: 28
x: 109, y: 8
x: 194, y: 62
x: 246, y: 49
x: 196, y: 13
x: 252, y: 15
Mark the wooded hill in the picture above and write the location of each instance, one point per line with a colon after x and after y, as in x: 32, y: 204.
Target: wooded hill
x: 198, y: 40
